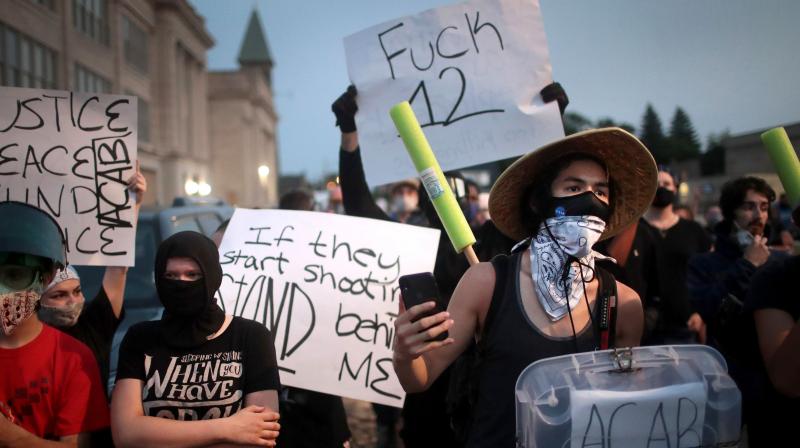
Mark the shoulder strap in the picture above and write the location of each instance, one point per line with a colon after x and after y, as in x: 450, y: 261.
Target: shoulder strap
x: 607, y: 309
x: 500, y: 263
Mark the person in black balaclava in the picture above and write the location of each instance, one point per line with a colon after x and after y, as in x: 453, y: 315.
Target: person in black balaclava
x: 196, y: 363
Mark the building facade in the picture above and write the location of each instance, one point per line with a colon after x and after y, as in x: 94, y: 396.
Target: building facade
x: 242, y: 124
x: 152, y: 49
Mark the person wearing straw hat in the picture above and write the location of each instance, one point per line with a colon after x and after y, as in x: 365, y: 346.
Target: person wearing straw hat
x: 543, y: 299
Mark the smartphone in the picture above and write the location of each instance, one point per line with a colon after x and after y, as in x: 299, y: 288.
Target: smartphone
x: 421, y: 288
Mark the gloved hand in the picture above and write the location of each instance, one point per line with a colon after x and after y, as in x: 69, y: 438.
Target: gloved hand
x: 345, y: 109
x: 554, y: 92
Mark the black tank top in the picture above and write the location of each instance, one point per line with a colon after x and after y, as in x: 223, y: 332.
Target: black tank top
x: 511, y: 344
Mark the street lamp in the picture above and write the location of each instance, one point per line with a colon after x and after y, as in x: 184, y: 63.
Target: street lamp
x: 203, y: 189
x: 263, y: 171
x: 191, y: 187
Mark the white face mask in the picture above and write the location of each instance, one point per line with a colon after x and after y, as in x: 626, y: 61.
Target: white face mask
x: 61, y: 316
x: 404, y: 204
x: 743, y: 237
x: 571, y: 236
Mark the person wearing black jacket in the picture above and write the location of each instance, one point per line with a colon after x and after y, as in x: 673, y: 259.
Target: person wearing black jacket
x: 425, y: 416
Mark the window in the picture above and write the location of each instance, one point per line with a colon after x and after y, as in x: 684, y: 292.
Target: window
x: 25, y: 62
x: 89, y: 81
x: 135, y: 44
x: 91, y: 18
x: 143, y: 117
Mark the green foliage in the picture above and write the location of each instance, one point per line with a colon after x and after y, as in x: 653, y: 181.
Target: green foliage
x: 683, y: 143
x: 652, y: 135
x: 575, y: 122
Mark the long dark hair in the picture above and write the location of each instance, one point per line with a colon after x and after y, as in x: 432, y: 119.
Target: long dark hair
x: 538, y: 198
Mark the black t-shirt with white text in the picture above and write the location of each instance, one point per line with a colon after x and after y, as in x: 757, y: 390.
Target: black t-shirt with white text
x: 206, y: 382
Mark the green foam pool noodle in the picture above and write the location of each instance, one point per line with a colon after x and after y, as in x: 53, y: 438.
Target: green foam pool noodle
x: 432, y: 177
x: 785, y: 160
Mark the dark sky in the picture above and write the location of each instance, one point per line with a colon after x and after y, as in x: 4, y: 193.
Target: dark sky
x: 731, y: 64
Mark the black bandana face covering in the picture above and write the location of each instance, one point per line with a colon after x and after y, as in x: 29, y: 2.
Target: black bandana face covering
x: 584, y: 204
x: 191, y: 312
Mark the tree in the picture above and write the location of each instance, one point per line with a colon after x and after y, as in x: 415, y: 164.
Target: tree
x: 575, y: 122
x: 683, y: 141
x: 652, y: 135
x: 713, y: 160
x: 609, y: 122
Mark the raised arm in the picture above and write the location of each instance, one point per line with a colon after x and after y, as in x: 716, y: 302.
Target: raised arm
x: 417, y: 362
x: 115, y: 276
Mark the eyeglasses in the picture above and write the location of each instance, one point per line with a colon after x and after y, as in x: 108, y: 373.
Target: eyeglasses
x: 17, y: 277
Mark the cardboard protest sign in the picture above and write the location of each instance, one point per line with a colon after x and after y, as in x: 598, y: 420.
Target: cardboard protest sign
x: 667, y: 416
x: 326, y: 287
x: 472, y: 73
x: 71, y: 154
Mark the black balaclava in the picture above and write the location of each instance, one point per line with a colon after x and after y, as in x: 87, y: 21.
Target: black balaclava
x: 191, y: 312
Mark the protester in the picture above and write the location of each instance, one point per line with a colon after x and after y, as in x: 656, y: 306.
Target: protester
x: 62, y: 304
x: 49, y: 382
x: 678, y: 240
x: 740, y: 249
x: 772, y: 410
x: 473, y: 203
x: 527, y: 306
x: 719, y: 282
x: 197, y: 377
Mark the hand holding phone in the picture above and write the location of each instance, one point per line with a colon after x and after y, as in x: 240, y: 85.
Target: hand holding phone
x: 421, y: 288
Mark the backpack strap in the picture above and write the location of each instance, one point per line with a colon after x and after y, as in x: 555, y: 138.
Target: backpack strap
x: 606, y: 309
x: 500, y: 264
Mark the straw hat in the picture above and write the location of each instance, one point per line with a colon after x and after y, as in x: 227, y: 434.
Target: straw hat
x: 629, y: 164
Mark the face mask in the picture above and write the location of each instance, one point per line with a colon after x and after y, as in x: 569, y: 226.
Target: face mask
x: 61, y: 316
x: 182, y: 298
x: 663, y: 197
x: 743, y: 237
x: 17, y: 306
x: 584, y: 204
x: 562, y: 260
x: 404, y: 204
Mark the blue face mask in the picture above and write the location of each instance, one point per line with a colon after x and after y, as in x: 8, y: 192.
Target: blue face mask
x: 584, y: 204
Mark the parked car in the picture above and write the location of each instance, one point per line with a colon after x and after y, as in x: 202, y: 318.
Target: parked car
x: 155, y: 225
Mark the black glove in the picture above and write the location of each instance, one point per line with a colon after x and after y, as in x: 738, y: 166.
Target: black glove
x: 345, y: 109
x: 554, y: 92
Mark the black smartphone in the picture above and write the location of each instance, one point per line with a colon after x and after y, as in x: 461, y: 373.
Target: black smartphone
x: 421, y: 288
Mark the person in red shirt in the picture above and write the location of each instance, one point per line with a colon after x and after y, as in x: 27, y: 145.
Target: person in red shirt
x: 50, y: 391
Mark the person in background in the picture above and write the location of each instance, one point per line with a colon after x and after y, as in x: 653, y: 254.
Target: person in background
x: 684, y: 211
x: 773, y: 410
x: 335, y: 204
x: 678, y: 239
x: 719, y: 281
x: 473, y: 203
x: 296, y: 200
x: 63, y: 305
x: 50, y: 390
x: 482, y: 214
x: 197, y: 377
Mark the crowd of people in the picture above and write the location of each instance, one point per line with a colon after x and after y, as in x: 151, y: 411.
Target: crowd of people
x: 584, y: 247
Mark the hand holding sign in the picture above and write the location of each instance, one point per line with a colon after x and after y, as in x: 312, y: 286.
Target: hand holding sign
x: 471, y: 71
